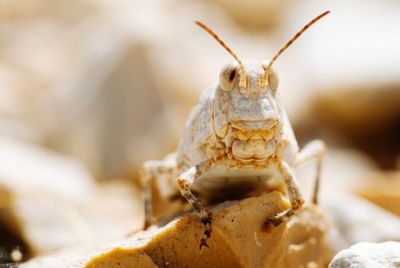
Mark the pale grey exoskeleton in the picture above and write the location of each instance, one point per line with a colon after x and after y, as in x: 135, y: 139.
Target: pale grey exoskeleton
x: 238, y: 134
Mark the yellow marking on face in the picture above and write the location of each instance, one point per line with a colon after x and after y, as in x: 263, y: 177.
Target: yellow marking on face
x: 258, y: 134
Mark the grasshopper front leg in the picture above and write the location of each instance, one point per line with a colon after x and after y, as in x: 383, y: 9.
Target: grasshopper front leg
x: 295, y: 196
x: 184, y: 182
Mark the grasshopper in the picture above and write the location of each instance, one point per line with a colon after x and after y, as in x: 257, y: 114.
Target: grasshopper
x: 238, y: 135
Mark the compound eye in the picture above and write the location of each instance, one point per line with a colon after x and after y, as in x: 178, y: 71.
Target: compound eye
x: 273, y: 78
x: 228, y: 76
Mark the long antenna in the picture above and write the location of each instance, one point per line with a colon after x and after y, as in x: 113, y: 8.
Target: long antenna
x: 243, y: 78
x: 264, y: 79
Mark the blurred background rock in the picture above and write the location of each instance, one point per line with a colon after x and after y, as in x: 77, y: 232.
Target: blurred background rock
x: 91, y: 89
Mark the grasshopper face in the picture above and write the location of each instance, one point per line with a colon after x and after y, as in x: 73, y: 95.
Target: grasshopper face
x: 252, y: 112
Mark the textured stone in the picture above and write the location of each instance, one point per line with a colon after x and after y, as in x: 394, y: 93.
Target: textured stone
x: 238, y: 239
x: 368, y: 255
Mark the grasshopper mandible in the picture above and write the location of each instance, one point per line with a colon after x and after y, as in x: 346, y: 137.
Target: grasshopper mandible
x: 237, y: 134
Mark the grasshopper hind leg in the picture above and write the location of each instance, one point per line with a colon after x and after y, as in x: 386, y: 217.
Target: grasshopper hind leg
x: 151, y: 171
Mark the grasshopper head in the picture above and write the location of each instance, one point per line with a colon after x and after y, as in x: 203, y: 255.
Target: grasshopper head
x: 254, y: 106
x: 252, y: 110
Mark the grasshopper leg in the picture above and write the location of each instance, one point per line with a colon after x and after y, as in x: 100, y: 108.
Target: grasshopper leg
x: 151, y: 170
x: 184, y: 182
x: 295, y: 196
x: 314, y: 150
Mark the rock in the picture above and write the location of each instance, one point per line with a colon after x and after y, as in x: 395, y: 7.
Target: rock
x: 344, y: 170
x: 349, y: 118
x: 255, y: 14
x: 382, y: 188
x: 238, y: 239
x: 357, y: 220
x: 13, y: 246
x: 368, y: 255
x: 346, y: 175
x: 50, y: 202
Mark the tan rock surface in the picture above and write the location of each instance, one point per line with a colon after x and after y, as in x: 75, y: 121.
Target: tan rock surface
x: 357, y: 220
x: 238, y: 239
x: 368, y: 123
x: 52, y: 203
x: 348, y: 174
x: 382, y: 188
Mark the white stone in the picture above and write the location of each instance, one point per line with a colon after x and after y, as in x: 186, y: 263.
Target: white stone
x: 368, y: 255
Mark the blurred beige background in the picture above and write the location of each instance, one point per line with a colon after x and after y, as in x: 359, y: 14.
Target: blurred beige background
x: 89, y: 90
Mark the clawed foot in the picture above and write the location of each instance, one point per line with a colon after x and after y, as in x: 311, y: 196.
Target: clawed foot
x: 277, y: 220
x: 207, y: 231
x: 272, y: 223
